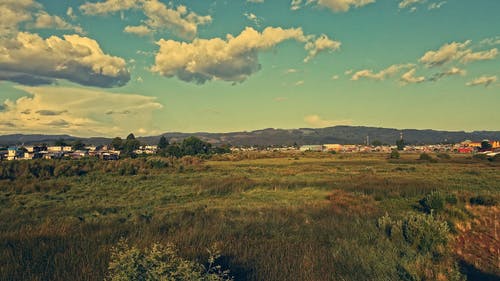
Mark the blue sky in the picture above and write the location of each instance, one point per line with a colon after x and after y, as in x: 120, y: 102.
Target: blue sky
x: 108, y: 67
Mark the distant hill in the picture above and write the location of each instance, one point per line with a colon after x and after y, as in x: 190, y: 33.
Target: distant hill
x: 267, y: 137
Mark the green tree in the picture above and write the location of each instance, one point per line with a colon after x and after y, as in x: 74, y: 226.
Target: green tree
x: 78, y: 145
x: 163, y: 143
x: 376, y: 143
x: 117, y: 143
x: 486, y: 145
x: 60, y: 142
x: 130, y: 145
x: 401, y: 144
x: 173, y: 150
x: 194, y: 146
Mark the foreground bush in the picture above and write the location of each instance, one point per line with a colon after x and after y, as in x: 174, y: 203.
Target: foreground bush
x: 160, y: 263
x: 423, y: 240
x: 433, y: 202
x: 484, y: 200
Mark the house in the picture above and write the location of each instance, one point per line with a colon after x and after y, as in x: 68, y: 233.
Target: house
x: 332, y: 147
x: 311, y: 148
x: 14, y: 153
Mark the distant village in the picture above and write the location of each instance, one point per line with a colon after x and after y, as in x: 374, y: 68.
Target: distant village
x: 108, y: 152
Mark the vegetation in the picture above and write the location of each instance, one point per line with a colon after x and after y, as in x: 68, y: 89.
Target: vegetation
x: 274, y: 216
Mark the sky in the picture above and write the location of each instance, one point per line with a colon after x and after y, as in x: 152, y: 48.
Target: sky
x: 111, y: 67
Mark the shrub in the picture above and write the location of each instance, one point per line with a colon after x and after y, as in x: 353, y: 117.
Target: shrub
x: 443, y: 156
x: 480, y: 156
x: 394, y: 154
x: 426, y: 157
x: 484, y: 200
x: 425, y: 232
x: 160, y: 263
x: 432, y: 202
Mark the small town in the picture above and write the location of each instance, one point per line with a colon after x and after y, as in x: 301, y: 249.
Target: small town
x: 108, y: 152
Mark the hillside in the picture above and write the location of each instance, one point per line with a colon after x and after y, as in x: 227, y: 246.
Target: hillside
x: 267, y: 137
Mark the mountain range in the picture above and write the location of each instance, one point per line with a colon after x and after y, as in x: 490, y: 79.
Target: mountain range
x: 274, y: 137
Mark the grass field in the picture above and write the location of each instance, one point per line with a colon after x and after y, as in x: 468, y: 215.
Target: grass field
x: 304, y: 216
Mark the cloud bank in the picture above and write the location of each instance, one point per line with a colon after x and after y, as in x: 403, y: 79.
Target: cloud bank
x: 231, y: 59
x: 77, y: 112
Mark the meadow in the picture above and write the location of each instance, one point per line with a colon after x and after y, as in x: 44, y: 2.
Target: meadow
x: 273, y: 216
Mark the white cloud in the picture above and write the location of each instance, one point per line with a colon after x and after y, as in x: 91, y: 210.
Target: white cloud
x: 436, y: 5
x: 408, y: 3
x: 74, y: 58
x: 483, y: 80
x: 231, y: 59
x: 410, y: 78
x: 70, y: 13
x: 256, y: 1
x: 159, y: 17
x: 491, y: 41
x: 323, y: 43
x: 381, y: 75
x: 108, y: 6
x: 335, y: 77
x: 456, y: 51
x: 253, y: 18
x: 316, y: 121
x: 291, y: 70
x: 80, y: 112
x: 334, y: 5
x: 452, y: 71
x: 140, y: 30
x: 45, y: 21
x: 299, y: 83
x: 15, y: 12
x: 445, y: 54
x: 470, y: 56
x: 343, y: 5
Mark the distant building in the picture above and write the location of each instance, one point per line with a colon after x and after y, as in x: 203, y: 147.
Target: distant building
x: 311, y: 148
x: 332, y: 147
x: 14, y: 153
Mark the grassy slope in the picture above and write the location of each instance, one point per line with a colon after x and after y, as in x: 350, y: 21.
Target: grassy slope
x: 311, y: 217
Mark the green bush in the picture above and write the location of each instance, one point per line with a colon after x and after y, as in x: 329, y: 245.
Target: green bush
x: 443, y: 156
x: 394, y: 154
x: 480, y: 156
x: 425, y: 232
x: 160, y: 263
x: 426, y: 157
x: 484, y: 200
x: 432, y: 202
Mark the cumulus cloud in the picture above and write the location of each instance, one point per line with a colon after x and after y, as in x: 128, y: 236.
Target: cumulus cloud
x: 323, y: 43
x: 408, y: 3
x: 81, y: 112
x: 256, y: 1
x: 456, y: 51
x: 447, y: 53
x: 410, y: 78
x: 381, y: 75
x: 253, y: 18
x: 436, y: 5
x: 45, y: 21
x: 334, y: 5
x: 470, y: 56
x: 452, y: 71
x: 231, y: 59
x: 108, y: 6
x: 317, y: 121
x: 14, y: 12
x: 140, y: 30
x: 74, y: 58
x: 483, y: 80
x: 159, y: 16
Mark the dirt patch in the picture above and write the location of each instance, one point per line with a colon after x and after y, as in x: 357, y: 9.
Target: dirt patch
x: 352, y: 203
x: 478, y: 243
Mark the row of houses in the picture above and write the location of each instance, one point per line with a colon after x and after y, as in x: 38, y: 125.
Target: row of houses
x: 463, y: 147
